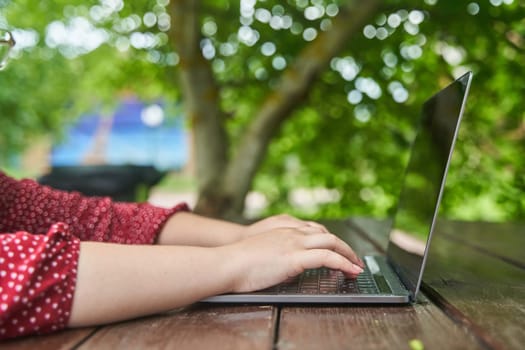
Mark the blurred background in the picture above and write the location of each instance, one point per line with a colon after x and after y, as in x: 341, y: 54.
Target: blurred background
x: 249, y: 108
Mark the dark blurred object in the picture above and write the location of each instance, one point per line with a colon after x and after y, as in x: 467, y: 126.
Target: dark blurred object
x: 128, y: 183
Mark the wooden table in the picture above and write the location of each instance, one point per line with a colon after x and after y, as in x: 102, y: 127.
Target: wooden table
x: 473, y: 298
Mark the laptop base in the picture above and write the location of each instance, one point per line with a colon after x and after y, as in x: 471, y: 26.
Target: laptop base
x: 378, y: 284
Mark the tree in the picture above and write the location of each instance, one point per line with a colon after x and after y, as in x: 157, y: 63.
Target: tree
x: 283, y: 84
x: 225, y: 179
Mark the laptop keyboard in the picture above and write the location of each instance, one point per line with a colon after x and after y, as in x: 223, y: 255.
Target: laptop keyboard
x: 326, y: 281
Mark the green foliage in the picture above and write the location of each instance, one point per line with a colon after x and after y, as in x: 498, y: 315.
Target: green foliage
x: 34, y: 97
x: 349, y: 140
x: 362, y: 155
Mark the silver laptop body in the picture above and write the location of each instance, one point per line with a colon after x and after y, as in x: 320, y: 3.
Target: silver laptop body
x: 396, y: 277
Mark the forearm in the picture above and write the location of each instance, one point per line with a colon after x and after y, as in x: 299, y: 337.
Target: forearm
x: 117, y: 282
x: 186, y: 228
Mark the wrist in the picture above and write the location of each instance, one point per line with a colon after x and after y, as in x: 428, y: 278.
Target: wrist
x: 232, y: 263
x: 194, y: 230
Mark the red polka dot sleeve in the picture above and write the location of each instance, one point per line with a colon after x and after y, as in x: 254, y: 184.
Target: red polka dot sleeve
x: 40, y: 234
x: 38, y: 274
x: 28, y: 206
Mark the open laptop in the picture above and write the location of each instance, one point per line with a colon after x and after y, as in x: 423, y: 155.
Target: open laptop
x: 396, y: 277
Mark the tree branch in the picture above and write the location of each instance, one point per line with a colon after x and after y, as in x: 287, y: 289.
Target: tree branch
x: 294, y: 86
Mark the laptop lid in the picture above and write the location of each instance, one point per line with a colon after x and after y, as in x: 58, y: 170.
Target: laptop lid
x: 424, y: 182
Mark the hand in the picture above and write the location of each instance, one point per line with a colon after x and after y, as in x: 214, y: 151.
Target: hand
x: 279, y: 221
x: 261, y: 261
x: 194, y: 230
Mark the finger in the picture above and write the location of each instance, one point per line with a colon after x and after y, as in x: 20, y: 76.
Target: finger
x: 332, y: 242
x: 314, y: 258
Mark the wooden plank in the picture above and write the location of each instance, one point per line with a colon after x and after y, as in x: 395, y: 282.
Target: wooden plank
x: 201, y: 326
x: 488, y: 291
x: 372, y: 327
x: 369, y: 327
x: 472, y: 281
x: 501, y: 240
x: 67, y: 339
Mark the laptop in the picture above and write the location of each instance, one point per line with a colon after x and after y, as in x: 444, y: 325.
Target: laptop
x: 396, y: 277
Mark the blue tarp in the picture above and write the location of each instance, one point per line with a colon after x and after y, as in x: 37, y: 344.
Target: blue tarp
x: 131, y: 142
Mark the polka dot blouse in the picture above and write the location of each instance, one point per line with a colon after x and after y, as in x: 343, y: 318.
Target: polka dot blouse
x: 40, y: 234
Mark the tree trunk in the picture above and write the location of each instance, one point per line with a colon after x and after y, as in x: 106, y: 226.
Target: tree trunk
x: 201, y: 100
x: 224, y: 184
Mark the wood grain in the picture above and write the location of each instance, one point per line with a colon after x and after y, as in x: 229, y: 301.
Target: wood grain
x: 500, y: 240
x: 67, y: 339
x: 370, y: 327
x: 487, y: 290
x: 201, y: 326
x: 473, y: 274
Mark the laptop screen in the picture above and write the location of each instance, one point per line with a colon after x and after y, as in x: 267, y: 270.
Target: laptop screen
x: 424, y: 181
